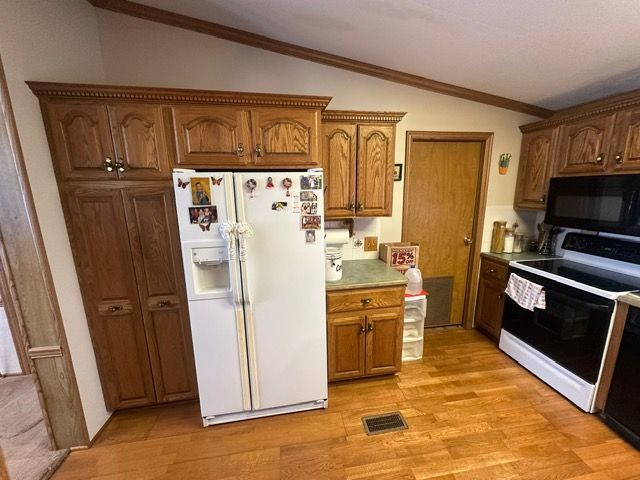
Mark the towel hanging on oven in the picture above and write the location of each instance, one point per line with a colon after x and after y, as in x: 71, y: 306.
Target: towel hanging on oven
x: 525, y: 293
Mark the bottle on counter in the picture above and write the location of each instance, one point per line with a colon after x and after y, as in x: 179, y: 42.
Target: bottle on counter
x: 497, y: 237
x: 519, y: 243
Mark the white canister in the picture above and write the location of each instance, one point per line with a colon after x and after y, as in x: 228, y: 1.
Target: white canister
x: 333, y: 264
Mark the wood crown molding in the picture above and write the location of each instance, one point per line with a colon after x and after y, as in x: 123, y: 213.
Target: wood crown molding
x: 173, y: 95
x: 266, y: 43
x: 612, y: 103
x: 362, y: 116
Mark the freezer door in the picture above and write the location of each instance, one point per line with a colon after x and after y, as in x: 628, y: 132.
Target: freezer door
x: 284, y: 288
x: 213, y: 279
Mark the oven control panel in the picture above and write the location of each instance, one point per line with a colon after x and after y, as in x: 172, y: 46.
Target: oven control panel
x: 607, y: 247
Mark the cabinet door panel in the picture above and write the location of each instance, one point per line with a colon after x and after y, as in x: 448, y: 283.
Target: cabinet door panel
x: 583, y: 145
x: 384, y: 341
x: 80, y: 141
x: 346, y: 345
x: 489, y: 307
x: 536, y: 165
x: 104, y: 265
x: 375, y: 170
x: 152, y: 223
x: 626, y: 144
x: 286, y: 138
x: 212, y: 137
x: 140, y: 140
x: 339, y: 164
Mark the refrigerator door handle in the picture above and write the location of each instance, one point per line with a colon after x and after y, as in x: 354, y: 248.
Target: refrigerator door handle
x: 227, y: 231
x: 243, y: 231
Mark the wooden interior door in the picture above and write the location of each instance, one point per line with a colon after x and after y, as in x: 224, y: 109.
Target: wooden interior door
x: 100, y: 241
x: 440, y: 206
x: 339, y: 164
x: 212, y: 136
x: 375, y: 170
x: 140, y: 140
x: 384, y: 341
x: 155, y: 245
x: 346, y: 345
x: 81, y: 141
x: 285, y: 138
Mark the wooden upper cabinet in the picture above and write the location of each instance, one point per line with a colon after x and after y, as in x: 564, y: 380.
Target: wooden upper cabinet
x: 105, y: 269
x: 375, y: 170
x: 625, y: 150
x: 155, y: 244
x: 583, y: 146
x: 211, y: 136
x: 384, y: 341
x: 339, y: 164
x: 139, y: 137
x: 286, y: 138
x: 535, y: 169
x: 358, y: 157
x: 80, y: 140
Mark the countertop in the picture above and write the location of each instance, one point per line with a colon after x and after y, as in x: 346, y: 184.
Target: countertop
x: 508, y: 257
x: 632, y: 299
x: 366, y: 274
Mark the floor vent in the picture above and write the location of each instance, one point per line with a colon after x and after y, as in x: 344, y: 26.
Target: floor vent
x: 388, y: 422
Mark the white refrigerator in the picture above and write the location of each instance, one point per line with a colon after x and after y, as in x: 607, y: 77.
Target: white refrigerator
x: 253, y: 253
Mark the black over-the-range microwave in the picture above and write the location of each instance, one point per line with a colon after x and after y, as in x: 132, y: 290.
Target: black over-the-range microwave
x: 604, y: 203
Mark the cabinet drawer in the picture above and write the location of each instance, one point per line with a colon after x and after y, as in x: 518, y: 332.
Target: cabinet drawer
x: 496, y: 270
x: 364, y: 299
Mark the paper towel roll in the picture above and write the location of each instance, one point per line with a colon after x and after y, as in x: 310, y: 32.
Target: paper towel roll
x: 336, y: 236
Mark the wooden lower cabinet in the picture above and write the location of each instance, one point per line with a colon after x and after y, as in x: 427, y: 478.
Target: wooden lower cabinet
x: 125, y: 246
x: 490, y: 303
x: 365, y: 340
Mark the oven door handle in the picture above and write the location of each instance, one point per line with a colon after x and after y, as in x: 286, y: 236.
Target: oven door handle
x: 593, y: 306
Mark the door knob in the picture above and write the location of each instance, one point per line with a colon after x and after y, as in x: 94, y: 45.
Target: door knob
x: 468, y: 240
x: 115, y: 308
x: 108, y: 164
x: 370, y: 327
x: 240, y: 150
x: 258, y: 150
x: 619, y: 158
x: 163, y: 303
x: 362, y: 329
x: 120, y: 165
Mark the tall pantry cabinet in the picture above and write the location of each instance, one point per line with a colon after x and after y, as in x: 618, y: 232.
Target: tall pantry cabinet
x: 114, y: 178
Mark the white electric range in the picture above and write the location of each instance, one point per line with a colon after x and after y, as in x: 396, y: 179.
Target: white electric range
x: 565, y: 343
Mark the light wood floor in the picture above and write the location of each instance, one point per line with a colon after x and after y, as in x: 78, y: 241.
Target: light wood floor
x: 472, y: 412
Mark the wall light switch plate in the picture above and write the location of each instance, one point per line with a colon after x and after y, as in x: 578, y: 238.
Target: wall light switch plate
x: 370, y: 244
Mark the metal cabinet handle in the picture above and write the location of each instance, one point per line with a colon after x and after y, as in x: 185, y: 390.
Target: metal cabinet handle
x: 351, y: 206
x: 600, y: 158
x: 360, y: 206
x: 365, y: 301
x: 108, y: 164
x: 115, y: 308
x: 468, y: 240
x: 258, y: 150
x: 619, y: 158
x: 240, y: 150
x: 542, y: 199
x: 370, y: 327
x: 164, y: 303
x: 493, y: 270
x: 120, y: 165
x: 500, y: 296
x: 362, y: 329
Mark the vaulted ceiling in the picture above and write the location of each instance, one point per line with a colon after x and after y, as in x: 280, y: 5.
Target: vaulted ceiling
x: 549, y: 53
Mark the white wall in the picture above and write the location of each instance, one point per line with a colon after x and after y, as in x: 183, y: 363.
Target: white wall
x: 54, y: 41
x: 144, y: 53
x: 9, y: 362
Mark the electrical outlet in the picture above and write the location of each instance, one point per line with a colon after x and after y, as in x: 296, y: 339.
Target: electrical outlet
x: 370, y: 244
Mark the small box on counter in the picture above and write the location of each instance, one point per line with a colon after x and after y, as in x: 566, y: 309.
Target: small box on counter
x: 400, y: 255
